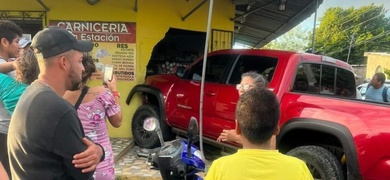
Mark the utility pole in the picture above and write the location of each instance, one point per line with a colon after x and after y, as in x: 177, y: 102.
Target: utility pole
x: 314, y: 28
x: 350, y: 45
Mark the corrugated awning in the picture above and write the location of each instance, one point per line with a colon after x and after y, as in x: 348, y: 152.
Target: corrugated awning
x: 257, y: 22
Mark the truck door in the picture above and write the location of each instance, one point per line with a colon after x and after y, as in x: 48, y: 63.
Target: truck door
x: 226, y: 100
x: 188, y: 91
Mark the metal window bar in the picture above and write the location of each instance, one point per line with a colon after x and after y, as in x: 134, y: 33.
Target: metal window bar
x: 221, y: 39
x: 28, y: 16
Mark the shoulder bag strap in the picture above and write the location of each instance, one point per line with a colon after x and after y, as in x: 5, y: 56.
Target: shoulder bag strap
x: 384, y: 93
x: 368, y: 86
x: 83, y: 93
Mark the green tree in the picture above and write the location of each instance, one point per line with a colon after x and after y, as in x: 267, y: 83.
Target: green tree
x: 366, y: 29
x: 387, y: 72
x: 294, y: 40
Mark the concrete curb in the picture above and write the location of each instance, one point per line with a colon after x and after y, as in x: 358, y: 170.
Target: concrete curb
x: 124, y: 177
x: 123, y: 152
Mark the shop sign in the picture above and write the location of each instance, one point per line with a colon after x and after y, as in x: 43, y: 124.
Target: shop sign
x: 114, y: 43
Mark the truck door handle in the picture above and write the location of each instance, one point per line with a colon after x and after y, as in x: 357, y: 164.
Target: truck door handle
x: 210, y: 93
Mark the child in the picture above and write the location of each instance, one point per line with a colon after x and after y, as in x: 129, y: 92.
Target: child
x: 257, y: 119
x: 248, y: 81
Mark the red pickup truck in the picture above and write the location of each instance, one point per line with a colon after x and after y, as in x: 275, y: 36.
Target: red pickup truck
x: 322, y: 122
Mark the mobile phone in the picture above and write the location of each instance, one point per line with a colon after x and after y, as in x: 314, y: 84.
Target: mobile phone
x: 108, y: 72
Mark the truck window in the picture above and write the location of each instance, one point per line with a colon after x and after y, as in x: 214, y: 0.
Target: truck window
x: 345, y: 83
x: 307, y: 78
x: 327, y: 85
x: 324, y: 79
x: 260, y: 64
x: 215, y: 69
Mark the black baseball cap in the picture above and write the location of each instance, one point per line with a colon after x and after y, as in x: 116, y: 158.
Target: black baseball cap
x: 55, y: 40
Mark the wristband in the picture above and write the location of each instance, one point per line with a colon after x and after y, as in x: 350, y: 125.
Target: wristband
x: 116, y: 93
x: 104, y: 153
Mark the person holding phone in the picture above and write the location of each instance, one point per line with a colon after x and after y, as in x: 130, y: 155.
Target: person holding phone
x: 97, y: 104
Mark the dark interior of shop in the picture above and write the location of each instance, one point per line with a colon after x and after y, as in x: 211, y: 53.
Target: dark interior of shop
x: 29, y: 26
x: 178, y: 47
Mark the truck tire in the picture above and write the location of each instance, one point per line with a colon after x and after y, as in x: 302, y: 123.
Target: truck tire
x: 143, y: 138
x: 321, y: 163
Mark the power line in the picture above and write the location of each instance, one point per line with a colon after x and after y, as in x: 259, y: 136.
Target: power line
x: 321, y: 48
x: 373, y: 38
x: 361, y: 42
x: 362, y: 22
x: 350, y: 19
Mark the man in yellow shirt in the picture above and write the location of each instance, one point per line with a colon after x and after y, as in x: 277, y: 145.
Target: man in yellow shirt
x: 257, y: 119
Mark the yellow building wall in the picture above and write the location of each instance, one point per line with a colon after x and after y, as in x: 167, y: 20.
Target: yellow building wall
x: 377, y: 59
x: 153, y: 19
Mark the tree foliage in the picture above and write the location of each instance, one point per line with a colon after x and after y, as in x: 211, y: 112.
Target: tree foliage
x: 366, y: 29
x: 387, y: 72
x: 294, y: 40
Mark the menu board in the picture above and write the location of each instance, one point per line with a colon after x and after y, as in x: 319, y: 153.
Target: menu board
x: 114, y: 43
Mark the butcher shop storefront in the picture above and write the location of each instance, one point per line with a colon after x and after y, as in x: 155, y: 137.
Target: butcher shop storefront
x: 137, y: 37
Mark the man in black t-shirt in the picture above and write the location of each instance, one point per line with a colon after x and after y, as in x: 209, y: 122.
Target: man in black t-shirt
x: 46, y: 139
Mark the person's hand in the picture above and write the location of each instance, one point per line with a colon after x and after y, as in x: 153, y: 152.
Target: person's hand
x: 15, y: 63
x: 3, y: 173
x: 90, y: 158
x: 228, y: 136
x: 111, y: 85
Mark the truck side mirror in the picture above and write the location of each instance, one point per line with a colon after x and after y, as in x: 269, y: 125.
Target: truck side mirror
x: 180, y: 71
x: 192, y: 132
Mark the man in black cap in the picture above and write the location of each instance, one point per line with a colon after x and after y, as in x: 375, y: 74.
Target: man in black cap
x: 46, y: 139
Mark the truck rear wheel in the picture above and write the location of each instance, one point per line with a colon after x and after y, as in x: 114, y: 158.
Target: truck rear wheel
x: 321, y: 163
x: 143, y: 138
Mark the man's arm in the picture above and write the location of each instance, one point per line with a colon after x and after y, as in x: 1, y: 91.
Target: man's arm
x: 90, y: 158
x: 68, y: 141
x: 7, y: 67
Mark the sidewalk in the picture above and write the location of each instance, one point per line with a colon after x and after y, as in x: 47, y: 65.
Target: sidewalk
x: 129, y: 166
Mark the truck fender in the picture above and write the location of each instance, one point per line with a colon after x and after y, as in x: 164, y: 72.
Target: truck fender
x: 151, y: 90
x: 341, y: 132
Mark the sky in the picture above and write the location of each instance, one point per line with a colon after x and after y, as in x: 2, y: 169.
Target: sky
x: 309, y: 22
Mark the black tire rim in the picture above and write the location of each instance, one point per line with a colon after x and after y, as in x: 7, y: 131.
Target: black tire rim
x: 314, y: 171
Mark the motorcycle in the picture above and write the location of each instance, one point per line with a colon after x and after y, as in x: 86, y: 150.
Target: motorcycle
x: 177, y: 159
